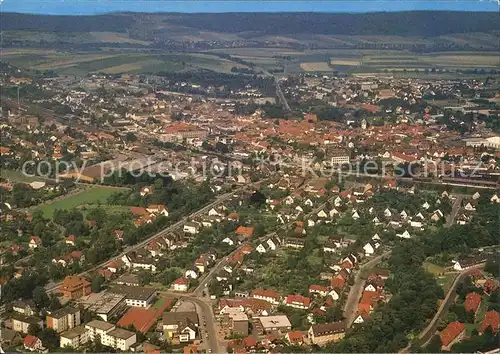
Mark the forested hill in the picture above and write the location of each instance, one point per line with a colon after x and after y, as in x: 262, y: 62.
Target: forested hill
x: 416, y: 23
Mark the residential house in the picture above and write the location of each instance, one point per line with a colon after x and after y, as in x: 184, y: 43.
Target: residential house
x: 318, y: 289
x: 244, y: 232
x: 181, y: 325
x: 295, y: 337
x: 268, y: 295
x: 469, y: 262
x: 33, y: 344
x: 321, y: 334
x: 71, y: 240
x: 453, y: 333
x: 472, y: 302
x: 34, y: 242
x: 157, y: 209
x: 491, y: 320
x: 296, y: 243
x: 298, y: 302
x: 191, y: 227
x: 181, y: 284
x: 25, y: 307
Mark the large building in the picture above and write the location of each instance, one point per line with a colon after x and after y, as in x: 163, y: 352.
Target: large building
x: 278, y: 323
x: 74, y: 287
x: 492, y: 142
x: 136, y: 296
x: 74, y: 338
x: 21, y: 323
x: 110, y: 336
x: 63, y: 319
x: 321, y: 334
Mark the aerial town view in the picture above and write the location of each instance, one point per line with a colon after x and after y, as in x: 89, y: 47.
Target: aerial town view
x: 249, y: 177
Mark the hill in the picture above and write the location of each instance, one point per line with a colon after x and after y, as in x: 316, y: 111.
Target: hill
x: 414, y: 23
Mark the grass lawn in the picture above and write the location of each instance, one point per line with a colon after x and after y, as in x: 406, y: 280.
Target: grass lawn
x: 18, y: 176
x: 446, y: 280
x: 433, y: 268
x: 91, y: 195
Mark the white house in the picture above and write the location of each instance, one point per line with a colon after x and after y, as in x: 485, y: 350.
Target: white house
x: 426, y: 205
x: 337, y: 202
x: 334, y: 295
x: 376, y: 221
x: 403, y: 214
x: 309, y: 202
x: 387, y: 213
x: 229, y: 241
x: 191, y: 228
x: 333, y: 212
x: 469, y: 207
x: 370, y: 287
x: 213, y: 212
x: 476, y: 196
x: 355, y: 215
x: 369, y: 250
x: 495, y: 199
x: 272, y: 245
x: 181, y: 284
x: 322, y: 214
x: 405, y: 234
x: 376, y: 237
x: 310, y: 223
x: 191, y: 273
x: 260, y: 248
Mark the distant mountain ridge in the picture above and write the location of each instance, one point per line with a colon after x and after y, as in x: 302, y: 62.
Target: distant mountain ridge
x: 413, y: 23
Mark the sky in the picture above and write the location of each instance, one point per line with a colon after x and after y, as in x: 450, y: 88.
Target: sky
x: 84, y: 7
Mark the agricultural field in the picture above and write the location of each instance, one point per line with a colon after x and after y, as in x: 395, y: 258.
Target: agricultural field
x: 445, y: 281
x: 91, y: 195
x: 18, y: 176
x: 114, y: 62
x: 316, y: 66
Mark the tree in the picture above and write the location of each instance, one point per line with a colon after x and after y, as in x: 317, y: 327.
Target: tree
x: 40, y: 297
x: 34, y: 329
x: 97, y: 282
x: 49, y: 338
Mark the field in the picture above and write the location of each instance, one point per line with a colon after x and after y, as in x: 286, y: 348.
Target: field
x: 18, y: 176
x: 318, y: 66
x: 433, y: 268
x: 91, y: 195
x: 114, y: 62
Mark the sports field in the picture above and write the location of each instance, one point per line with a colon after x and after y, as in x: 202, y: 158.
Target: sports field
x: 91, y: 195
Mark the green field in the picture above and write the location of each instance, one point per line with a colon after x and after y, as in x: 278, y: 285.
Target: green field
x: 18, y: 176
x: 114, y: 62
x: 92, y: 195
x: 433, y: 268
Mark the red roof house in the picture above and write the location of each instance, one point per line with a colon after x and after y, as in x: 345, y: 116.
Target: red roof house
x: 492, y: 320
x: 452, y: 334
x: 472, y: 302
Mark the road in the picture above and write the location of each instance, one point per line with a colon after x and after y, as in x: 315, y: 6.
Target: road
x: 454, y: 210
x: 428, y: 332
x: 356, y: 291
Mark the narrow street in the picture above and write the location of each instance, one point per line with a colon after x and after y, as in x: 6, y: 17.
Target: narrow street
x: 356, y: 291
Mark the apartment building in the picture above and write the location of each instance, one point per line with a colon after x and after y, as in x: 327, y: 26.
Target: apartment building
x: 110, y: 336
x: 63, y: 319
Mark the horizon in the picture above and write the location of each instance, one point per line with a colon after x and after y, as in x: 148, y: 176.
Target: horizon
x: 97, y: 7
